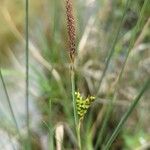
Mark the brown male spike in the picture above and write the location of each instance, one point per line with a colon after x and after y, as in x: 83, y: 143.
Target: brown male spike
x: 71, y: 29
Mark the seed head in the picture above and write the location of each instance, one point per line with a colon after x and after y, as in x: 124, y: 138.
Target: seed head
x: 71, y: 29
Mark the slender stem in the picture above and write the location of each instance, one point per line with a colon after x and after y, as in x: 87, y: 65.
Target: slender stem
x: 79, y: 135
x: 133, y: 38
x: 104, y: 126
x: 51, y: 146
x: 135, y: 31
x: 77, y: 126
x: 9, y: 104
x: 127, y: 114
x: 111, y: 52
x: 73, y: 96
x: 27, y: 67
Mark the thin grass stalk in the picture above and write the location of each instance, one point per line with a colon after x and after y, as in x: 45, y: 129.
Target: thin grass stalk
x: 127, y: 114
x: 10, y: 105
x: 51, y: 144
x: 27, y: 70
x: 79, y: 134
x: 76, y: 122
x: 54, y: 32
x: 72, y: 54
x: 89, y: 142
x: 111, y: 52
x: 133, y: 38
x: 55, y: 24
x: 73, y: 97
x: 104, y: 126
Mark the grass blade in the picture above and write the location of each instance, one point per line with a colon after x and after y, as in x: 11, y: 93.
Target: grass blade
x: 74, y: 106
x: 133, y: 38
x: 127, y: 114
x: 111, y: 52
x: 27, y: 69
x: 51, y: 142
x: 9, y: 104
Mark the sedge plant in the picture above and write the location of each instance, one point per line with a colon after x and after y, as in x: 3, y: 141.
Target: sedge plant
x: 80, y: 106
x: 72, y: 53
x: 79, y: 103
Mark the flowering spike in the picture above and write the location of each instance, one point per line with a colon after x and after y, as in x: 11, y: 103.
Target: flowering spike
x: 71, y: 29
x: 83, y: 104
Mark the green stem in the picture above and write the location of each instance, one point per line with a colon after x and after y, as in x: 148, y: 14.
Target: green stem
x: 112, y: 50
x: 73, y: 96
x: 78, y: 134
x: 77, y: 126
x: 126, y: 115
x: 110, y: 54
x: 27, y: 69
x: 9, y: 104
x: 51, y: 144
x: 135, y: 31
x: 104, y: 126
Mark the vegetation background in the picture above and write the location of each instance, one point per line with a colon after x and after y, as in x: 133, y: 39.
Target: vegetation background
x: 50, y: 102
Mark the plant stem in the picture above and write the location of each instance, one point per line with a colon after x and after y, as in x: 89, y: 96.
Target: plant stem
x: 135, y: 31
x: 51, y: 146
x: 104, y: 126
x: 109, y: 57
x: 78, y: 134
x: 73, y: 95
x: 27, y: 69
x: 112, y: 50
x: 9, y: 104
x: 76, y: 124
x: 127, y: 114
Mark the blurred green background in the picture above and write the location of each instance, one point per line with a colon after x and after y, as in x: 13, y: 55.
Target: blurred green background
x: 97, y: 23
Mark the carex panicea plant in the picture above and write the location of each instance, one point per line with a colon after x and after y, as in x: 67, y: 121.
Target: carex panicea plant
x: 80, y: 103
x: 80, y: 106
